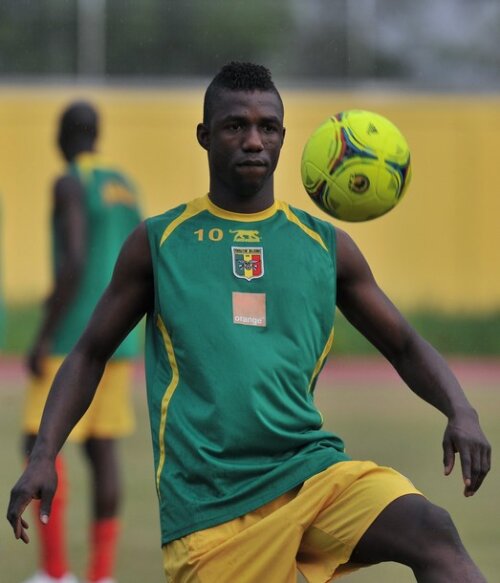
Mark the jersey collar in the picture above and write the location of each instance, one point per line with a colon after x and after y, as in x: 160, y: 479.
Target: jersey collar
x: 243, y: 217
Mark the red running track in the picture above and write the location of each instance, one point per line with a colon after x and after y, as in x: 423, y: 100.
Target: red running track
x: 483, y: 371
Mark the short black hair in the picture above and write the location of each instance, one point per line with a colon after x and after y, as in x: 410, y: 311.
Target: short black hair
x: 78, y: 129
x: 79, y: 120
x: 237, y: 76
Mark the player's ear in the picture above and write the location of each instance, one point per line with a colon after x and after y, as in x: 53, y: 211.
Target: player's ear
x: 203, y: 136
x: 283, y: 136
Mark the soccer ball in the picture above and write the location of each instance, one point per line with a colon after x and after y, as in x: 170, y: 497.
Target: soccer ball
x: 356, y: 166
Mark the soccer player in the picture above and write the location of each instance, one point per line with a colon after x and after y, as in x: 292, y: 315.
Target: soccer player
x: 95, y: 208
x: 240, y: 292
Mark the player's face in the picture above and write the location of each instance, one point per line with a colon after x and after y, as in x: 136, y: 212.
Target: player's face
x: 244, y: 139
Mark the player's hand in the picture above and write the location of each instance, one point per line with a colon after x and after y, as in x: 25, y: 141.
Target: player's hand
x: 464, y: 436
x: 38, y: 482
x: 36, y: 357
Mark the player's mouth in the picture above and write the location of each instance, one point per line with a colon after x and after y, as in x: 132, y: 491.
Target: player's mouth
x: 251, y: 167
x: 252, y: 163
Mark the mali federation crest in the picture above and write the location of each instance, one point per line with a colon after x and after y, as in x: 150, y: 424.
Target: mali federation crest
x: 248, y: 262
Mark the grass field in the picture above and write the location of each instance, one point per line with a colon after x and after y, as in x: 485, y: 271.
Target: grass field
x: 375, y: 414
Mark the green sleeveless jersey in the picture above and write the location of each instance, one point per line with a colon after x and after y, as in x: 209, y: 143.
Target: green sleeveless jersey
x: 242, y: 325
x: 112, y: 212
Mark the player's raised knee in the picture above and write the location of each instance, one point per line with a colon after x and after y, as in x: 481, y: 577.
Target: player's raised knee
x: 436, y: 526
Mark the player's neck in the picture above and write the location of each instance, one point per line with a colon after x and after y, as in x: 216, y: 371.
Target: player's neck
x: 242, y: 203
x: 73, y: 154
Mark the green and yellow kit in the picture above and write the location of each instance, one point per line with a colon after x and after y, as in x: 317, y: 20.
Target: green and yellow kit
x: 112, y: 213
x: 242, y: 324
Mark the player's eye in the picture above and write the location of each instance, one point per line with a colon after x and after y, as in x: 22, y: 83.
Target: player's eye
x: 270, y: 128
x: 234, y: 126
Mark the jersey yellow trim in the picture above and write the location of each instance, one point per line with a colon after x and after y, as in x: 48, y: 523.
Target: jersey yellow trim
x: 88, y: 160
x: 204, y: 203
x: 243, y: 217
x: 166, y: 398
x: 321, y: 359
x: 193, y: 207
x: 293, y: 218
x: 86, y: 163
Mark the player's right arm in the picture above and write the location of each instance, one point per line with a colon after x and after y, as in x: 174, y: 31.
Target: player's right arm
x: 69, y: 213
x: 128, y: 297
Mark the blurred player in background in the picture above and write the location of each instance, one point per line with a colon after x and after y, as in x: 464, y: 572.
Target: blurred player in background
x: 95, y: 207
x: 240, y: 291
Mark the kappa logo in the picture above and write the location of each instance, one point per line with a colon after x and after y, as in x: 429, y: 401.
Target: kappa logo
x: 245, y: 236
x: 248, y: 262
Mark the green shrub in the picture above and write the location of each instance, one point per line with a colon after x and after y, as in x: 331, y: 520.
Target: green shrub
x: 457, y: 334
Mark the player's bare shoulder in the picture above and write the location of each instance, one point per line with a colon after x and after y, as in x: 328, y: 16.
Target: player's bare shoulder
x: 67, y: 186
x: 135, y: 256
x: 351, y: 263
x: 345, y: 246
x: 132, y: 283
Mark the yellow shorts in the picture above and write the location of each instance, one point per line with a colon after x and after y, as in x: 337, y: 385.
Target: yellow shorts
x: 313, y: 528
x: 110, y: 414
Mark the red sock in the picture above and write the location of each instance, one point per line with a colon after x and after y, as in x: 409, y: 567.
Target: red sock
x: 103, y: 548
x: 53, y: 557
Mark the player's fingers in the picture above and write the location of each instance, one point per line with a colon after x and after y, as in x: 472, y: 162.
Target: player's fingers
x: 36, y: 368
x: 485, y: 457
x: 46, y: 498
x: 448, y: 456
x: 23, y: 535
x: 19, y: 500
x: 465, y: 460
x: 476, y: 472
x: 31, y: 363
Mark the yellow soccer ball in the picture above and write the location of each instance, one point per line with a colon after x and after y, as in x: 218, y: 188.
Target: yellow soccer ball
x: 356, y: 166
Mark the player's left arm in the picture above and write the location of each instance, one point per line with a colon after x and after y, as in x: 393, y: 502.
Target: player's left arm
x: 422, y: 368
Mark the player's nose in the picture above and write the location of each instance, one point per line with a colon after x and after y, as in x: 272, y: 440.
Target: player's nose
x: 253, y: 140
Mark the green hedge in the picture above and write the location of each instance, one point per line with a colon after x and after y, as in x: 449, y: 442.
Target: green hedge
x: 450, y: 334
x: 454, y: 334
x: 21, y: 324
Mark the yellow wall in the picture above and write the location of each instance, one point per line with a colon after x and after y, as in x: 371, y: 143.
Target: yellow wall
x: 438, y: 249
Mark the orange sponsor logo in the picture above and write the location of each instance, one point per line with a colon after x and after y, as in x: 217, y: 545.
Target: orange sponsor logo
x: 249, y: 309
